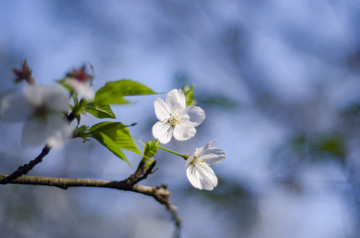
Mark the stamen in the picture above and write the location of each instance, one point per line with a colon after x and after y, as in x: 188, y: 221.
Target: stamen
x: 173, y: 120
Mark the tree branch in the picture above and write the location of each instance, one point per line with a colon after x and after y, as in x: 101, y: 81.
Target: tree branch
x: 159, y: 193
x: 65, y: 183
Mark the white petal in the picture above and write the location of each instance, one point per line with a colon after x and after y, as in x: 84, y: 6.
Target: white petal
x: 15, y: 107
x: 193, y: 177
x: 56, y: 99
x: 83, y: 89
x: 34, y: 133
x: 208, y: 178
x: 34, y: 94
x: 183, y: 118
x: 175, y: 100
x: 54, y: 131
x: 196, y: 114
x: 162, y: 131
x: 161, y: 109
x: 59, y: 131
x: 184, y: 131
x: 198, y: 152
x: 213, y: 156
x: 52, y: 96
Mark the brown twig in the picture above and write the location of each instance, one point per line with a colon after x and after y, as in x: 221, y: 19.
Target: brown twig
x: 27, y: 167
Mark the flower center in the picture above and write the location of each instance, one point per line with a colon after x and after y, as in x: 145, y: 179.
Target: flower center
x: 196, y: 161
x: 42, y: 111
x: 173, y: 121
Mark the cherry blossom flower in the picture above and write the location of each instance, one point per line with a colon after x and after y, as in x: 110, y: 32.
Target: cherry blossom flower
x: 175, y: 119
x: 40, y: 107
x: 198, y: 170
x: 78, y: 80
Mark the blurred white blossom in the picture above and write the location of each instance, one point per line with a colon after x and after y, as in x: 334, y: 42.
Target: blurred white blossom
x: 175, y: 118
x: 83, y: 89
x: 198, y: 170
x: 78, y: 80
x: 40, y: 107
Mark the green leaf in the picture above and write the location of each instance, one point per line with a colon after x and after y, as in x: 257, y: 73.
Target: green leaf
x: 97, y: 127
x: 189, y: 95
x: 118, y: 134
x: 111, y: 145
x: 80, y: 132
x: 150, y: 148
x: 114, y: 92
x: 100, y: 111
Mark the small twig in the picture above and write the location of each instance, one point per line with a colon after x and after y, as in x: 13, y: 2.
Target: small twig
x: 141, y: 172
x: 27, y: 167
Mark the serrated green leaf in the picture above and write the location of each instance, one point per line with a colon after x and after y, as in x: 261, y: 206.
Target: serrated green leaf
x: 100, y: 111
x: 111, y: 145
x: 118, y: 133
x: 114, y: 92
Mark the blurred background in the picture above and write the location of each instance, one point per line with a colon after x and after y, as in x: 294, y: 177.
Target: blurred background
x: 279, y: 81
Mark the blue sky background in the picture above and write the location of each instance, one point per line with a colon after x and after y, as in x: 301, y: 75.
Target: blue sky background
x: 279, y: 81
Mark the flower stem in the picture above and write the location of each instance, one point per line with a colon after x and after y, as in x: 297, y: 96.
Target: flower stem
x: 174, y: 152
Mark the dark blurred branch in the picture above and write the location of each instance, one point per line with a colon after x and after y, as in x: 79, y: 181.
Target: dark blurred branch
x: 25, y: 168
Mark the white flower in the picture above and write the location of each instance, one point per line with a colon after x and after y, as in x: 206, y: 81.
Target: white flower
x: 198, y: 170
x: 175, y: 118
x: 78, y: 80
x: 40, y: 107
x: 83, y: 89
